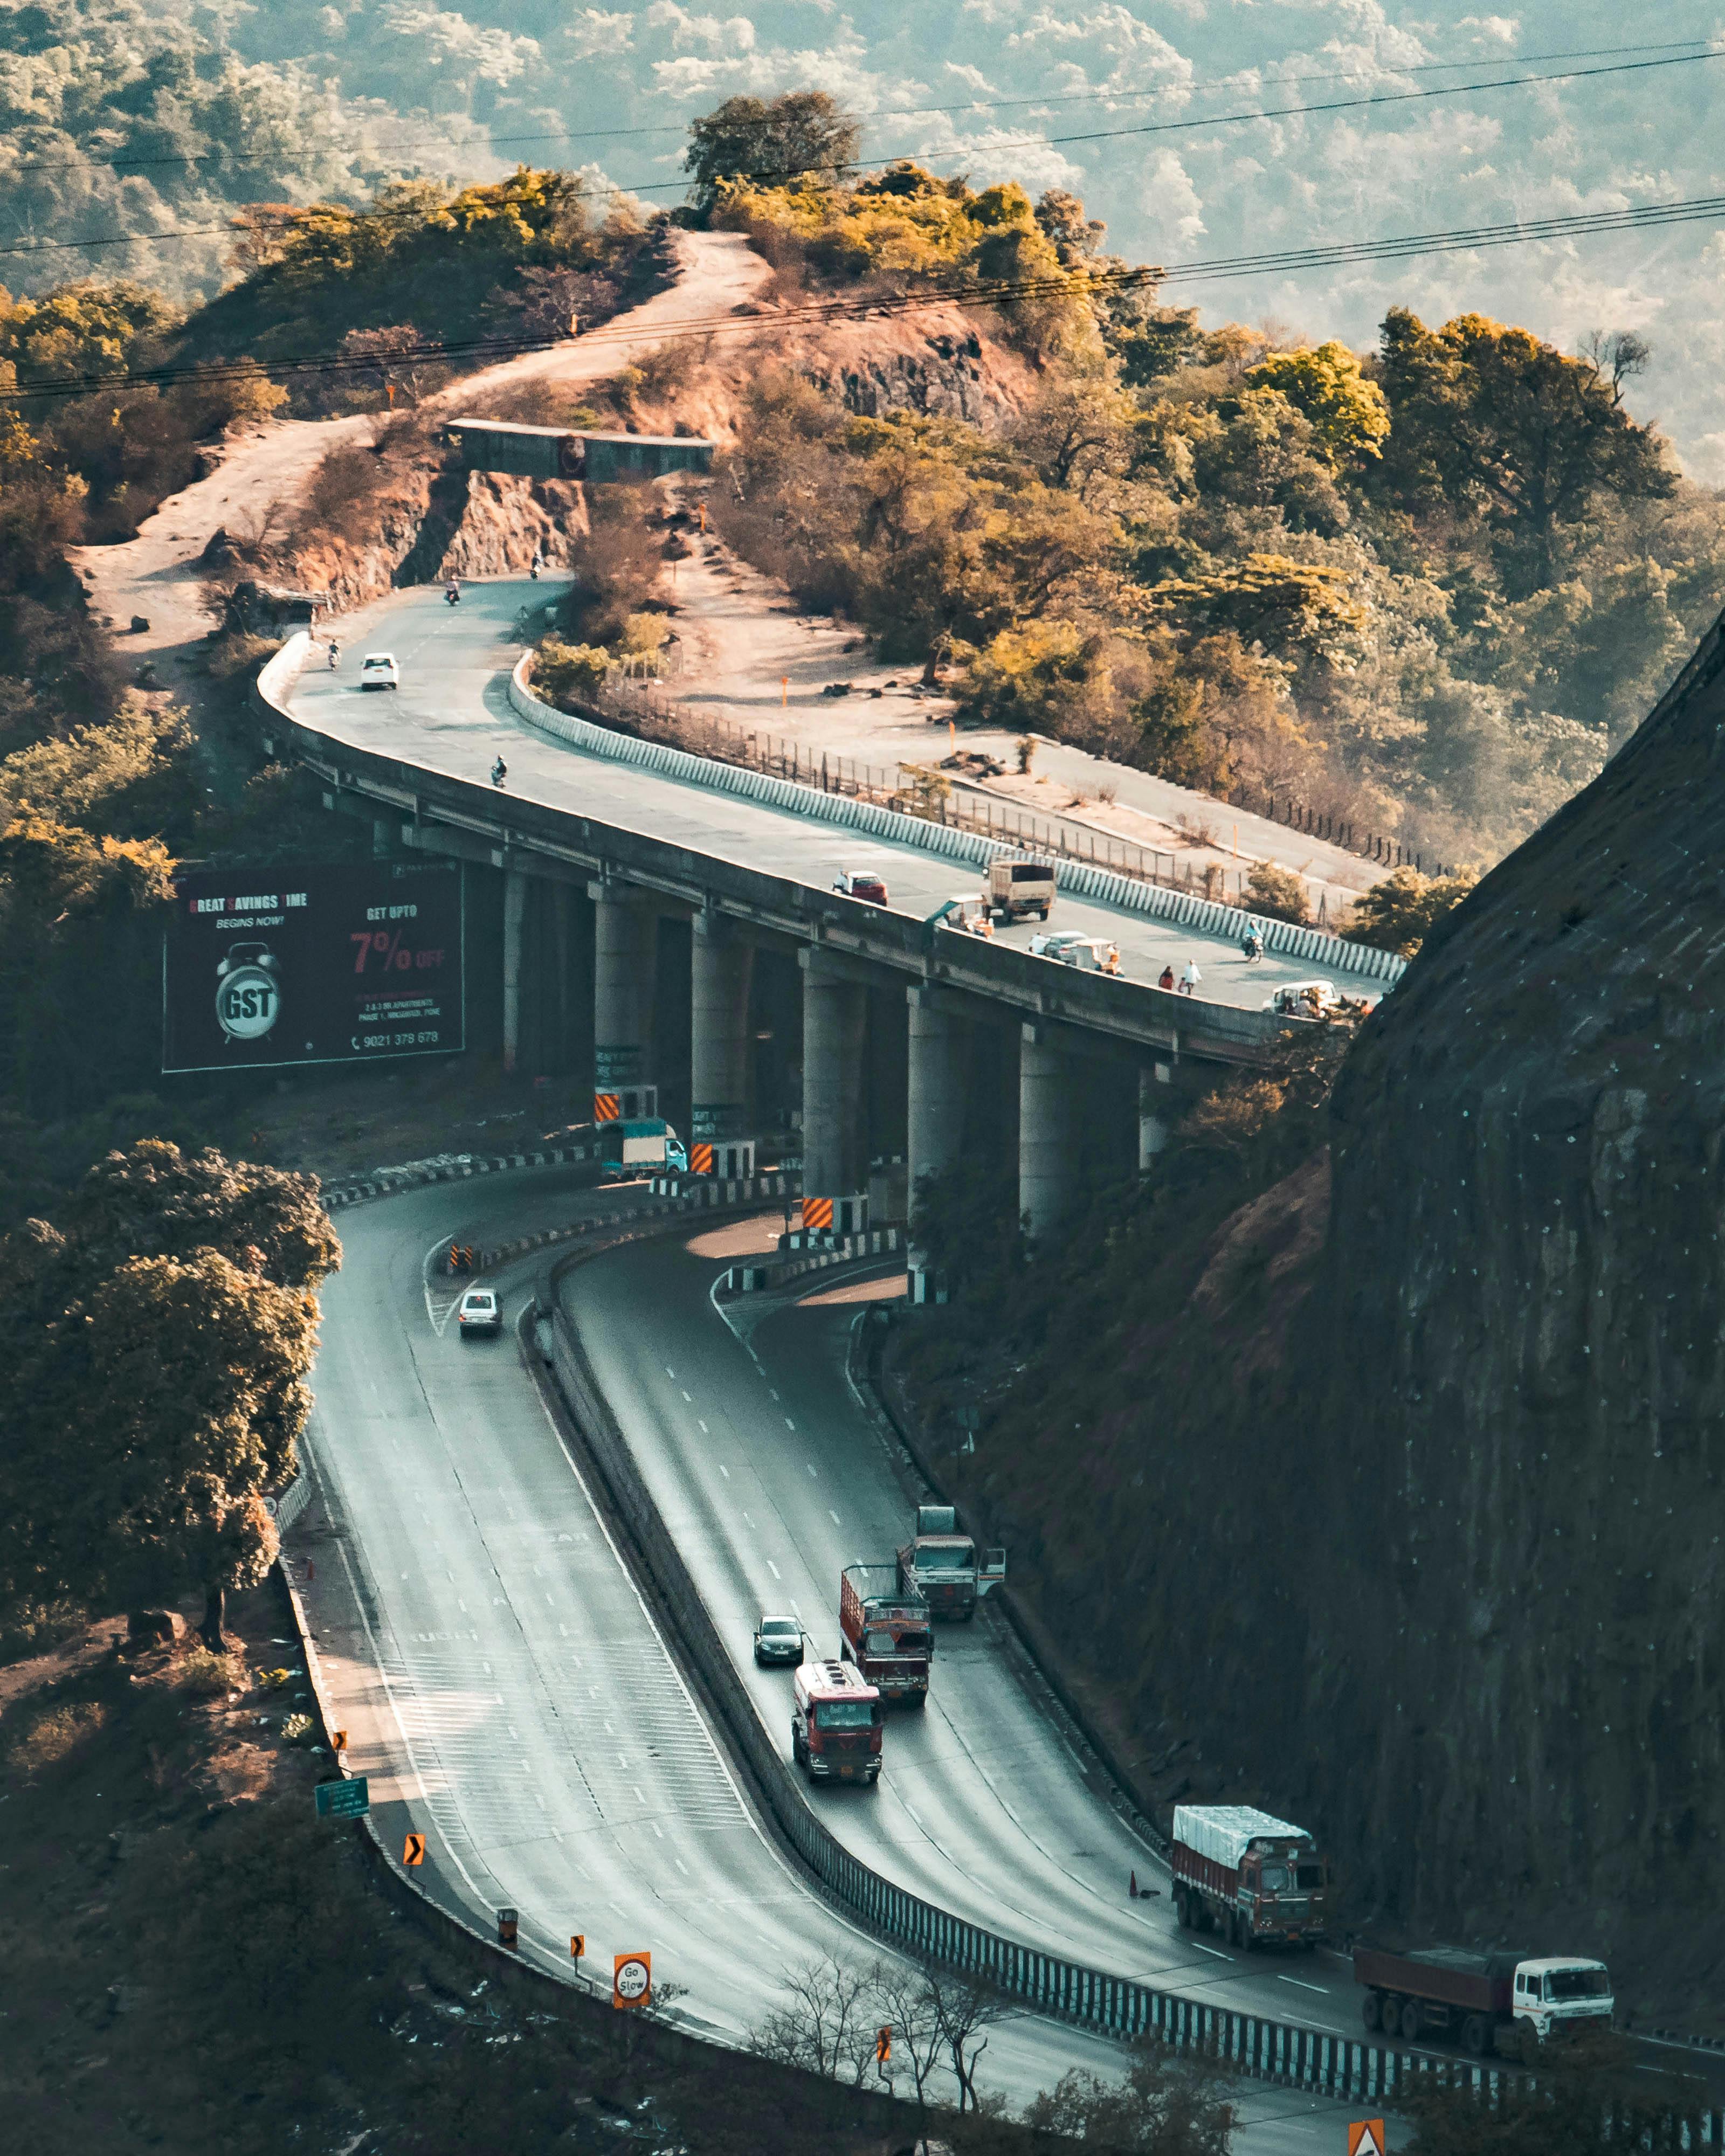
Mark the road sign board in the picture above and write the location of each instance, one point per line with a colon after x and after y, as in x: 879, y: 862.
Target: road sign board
x: 631, y: 1979
x: 348, y: 1799
x: 414, y: 1852
x: 578, y: 1945
x: 1365, y: 2136
x: 338, y: 1740
x: 883, y: 2046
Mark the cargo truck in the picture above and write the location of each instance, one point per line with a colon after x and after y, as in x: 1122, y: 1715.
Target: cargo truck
x: 886, y: 1632
x: 1257, y: 1880
x: 1503, y: 2002
x: 645, y: 1145
x: 1017, y: 889
x: 940, y: 1564
x: 836, y: 1724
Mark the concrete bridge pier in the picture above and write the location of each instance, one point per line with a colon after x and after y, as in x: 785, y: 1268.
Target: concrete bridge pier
x: 722, y: 1134
x: 938, y: 1076
x: 515, y: 922
x: 1050, y: 1078
x: 624, y: 937
x: 835, y: 1177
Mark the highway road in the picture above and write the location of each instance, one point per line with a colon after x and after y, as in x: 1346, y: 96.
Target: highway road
x: 506, y: 1687
x: 452, y: 715
x: 772, y: 1478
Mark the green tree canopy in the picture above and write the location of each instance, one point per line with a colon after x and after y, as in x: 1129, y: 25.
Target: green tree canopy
x: 772, y: 141
x: 1401, y: 912
x: 1326, y: 385
x: 156, y: 1387
x: 1500, y: 425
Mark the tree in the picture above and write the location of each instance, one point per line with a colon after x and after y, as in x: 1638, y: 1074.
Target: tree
x: 803, y: 131
x: 1588, y: 2080
x: 827, y: 2025
x: 158, y: 1387
x: 1401, y: 912
x: 1347, y: 413
x: 1502, y: 425
x: 1279, y: 892
x: 1165, y: 2107
x: 964, y: 2008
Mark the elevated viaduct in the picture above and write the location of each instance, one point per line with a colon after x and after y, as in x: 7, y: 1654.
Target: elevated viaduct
x: 673, y: 926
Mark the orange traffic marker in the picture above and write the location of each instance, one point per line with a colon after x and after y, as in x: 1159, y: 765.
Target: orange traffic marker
x: 414, y: 1852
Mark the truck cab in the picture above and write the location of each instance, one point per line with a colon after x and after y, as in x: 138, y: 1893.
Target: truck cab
x: 940, y: 1564
x: 836, y: 1721
x: 1560, y: 1995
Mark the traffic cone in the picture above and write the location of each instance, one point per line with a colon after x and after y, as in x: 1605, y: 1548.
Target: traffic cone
x: 1133, y: 1888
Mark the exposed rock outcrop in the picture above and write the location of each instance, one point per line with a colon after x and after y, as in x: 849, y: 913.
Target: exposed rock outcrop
x: 1526, y: 1258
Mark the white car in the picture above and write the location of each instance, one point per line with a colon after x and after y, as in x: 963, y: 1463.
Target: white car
x: 479, y: 1312
x: 866, y: 883
x: 377, y: 669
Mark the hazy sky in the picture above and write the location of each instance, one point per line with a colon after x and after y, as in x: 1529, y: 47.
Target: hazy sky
x: 1025, y: 81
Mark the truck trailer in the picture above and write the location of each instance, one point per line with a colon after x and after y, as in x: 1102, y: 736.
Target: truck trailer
x: 1257, y: 1880
x: 1503, y: 2002
x: 939, y: 1563
x: 886, y: 1632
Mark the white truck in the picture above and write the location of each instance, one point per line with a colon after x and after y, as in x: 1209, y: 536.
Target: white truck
x: 1019, y: 886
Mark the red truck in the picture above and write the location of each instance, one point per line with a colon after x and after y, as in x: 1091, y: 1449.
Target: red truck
x: 886, y: 1632
x: 1503, y: 2002
x: 939, y: 1562
x: 836, y: 1724
x: 1256, y: 1880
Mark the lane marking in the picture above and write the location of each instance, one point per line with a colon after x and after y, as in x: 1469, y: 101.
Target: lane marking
x: 813, y: 1469
x: 788, y: 1424
x: 1321, y: 1989
x: 668, y: 1372
x: 1216, y: 1951
x: 690, y: 1397
x: 774, y: 1569
x: 724, y: 1470
x: 702, y: 1427
x: 834, y: 1517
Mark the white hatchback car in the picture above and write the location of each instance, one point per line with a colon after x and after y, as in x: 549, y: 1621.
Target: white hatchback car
x: 479, y: 1312
x: 377, y: 669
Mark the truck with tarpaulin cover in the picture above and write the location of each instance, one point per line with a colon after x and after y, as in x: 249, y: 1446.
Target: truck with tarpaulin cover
x: 1257, y: 1880
x: 1500, y: 2001
x: 886, y: 1633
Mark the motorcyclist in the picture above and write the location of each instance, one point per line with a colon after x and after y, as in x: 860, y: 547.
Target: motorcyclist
x: 1252, y: 943
x: 452, y: 596
x: 335, y: 655
x: 533, y: 568
x: 499, y: 771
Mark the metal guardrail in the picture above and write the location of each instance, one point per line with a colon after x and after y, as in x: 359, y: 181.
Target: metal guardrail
x: 1256, y: 2045
x: 1083, y: 878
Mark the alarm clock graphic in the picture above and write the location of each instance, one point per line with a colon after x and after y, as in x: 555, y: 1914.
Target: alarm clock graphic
x: 248, y: 991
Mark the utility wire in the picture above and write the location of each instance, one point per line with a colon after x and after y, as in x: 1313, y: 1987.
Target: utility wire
x: 1209, y: 269
x: 229, y: 157
x: 995, y: 149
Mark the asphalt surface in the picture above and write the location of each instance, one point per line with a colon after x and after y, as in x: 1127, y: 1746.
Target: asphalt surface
x: 506, y: 1687
x: 772, y: 1478
x: 452, y: 715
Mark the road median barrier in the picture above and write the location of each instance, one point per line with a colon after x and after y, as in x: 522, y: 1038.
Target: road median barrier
x: 1253, y: 2045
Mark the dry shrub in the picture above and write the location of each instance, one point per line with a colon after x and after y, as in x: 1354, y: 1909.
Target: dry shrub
x: 668, y: 368
x: 346, y: 478
x: 202, y: 1671
x: 1235, y: 1113
x: 55, y: 1734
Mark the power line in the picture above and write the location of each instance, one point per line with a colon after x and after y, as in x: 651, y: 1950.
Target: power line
x: 994, y: 149
x: 1117, y: 96
x: 1396, y: 248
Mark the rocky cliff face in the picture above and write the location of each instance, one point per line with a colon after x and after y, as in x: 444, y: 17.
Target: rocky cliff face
x: 1525, y: 1278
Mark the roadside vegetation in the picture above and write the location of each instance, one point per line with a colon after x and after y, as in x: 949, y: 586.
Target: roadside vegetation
x: 1426, y: 589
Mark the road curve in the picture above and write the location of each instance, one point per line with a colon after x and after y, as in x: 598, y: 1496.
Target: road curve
x: 506, y: 1687
x: 772, y: 1477
x: 452, y: 715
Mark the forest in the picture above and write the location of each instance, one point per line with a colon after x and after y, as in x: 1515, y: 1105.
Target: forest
x: 1429, y: 588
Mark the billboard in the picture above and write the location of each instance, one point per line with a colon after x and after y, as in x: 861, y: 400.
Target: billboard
x: 342, y: 963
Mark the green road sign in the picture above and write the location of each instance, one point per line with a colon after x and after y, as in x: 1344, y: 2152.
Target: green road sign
x: 348, y: 1799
